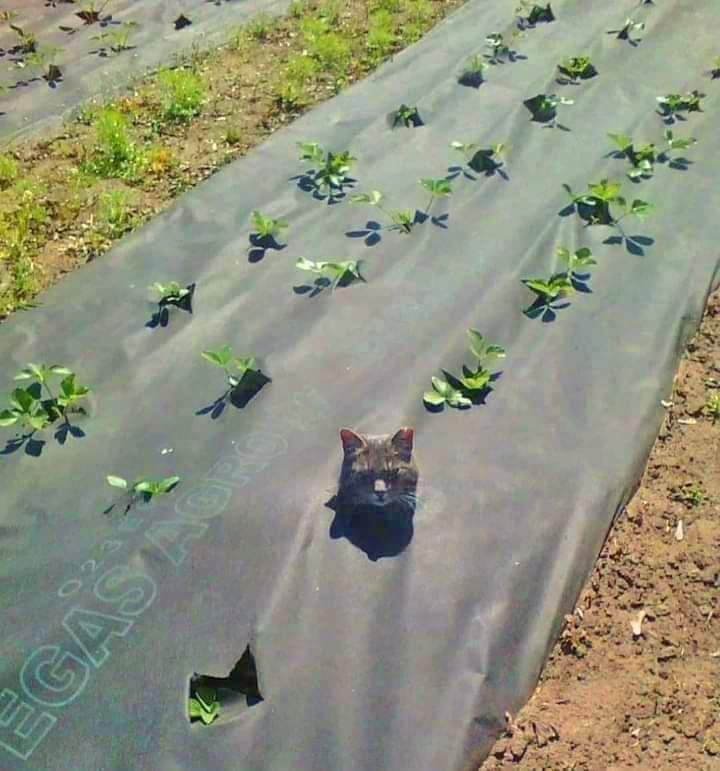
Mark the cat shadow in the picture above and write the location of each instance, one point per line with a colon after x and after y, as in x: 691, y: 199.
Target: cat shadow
x: 377, y: 532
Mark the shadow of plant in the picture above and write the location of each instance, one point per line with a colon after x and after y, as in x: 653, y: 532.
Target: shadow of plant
x: 161, y: 317
x: 239, y: 396
x: 259, y: 245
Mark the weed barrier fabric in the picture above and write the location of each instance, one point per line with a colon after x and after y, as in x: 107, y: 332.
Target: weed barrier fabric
x: 89, y: 68
x: 390, y: 654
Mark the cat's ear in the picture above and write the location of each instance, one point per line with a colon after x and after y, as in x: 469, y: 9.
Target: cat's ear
x: 351, y: 441
x: 402, y: 441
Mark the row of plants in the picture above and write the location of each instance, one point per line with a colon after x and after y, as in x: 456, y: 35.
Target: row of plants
x: 137, y: 140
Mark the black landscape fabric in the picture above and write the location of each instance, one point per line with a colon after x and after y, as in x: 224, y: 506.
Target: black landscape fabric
x: 380, y: 645
x: 91, y: 63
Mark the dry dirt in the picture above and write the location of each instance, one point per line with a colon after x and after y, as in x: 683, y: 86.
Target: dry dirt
x: 611, y: 699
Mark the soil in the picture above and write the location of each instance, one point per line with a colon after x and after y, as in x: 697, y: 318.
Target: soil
x: 614, y: 697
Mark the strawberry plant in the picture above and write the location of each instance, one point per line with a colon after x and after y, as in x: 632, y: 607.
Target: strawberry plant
x: 475, y: 382
x: 500, y: 51
x: 91, y: 13
x: 576, y: 68
x: 33, y: 413
x: 560, y: 285
x: 626, y: 32
x: 595, y: 206
x: 438, y: 188
x: 472, y: 75
x: 116, y: 40
x: 42, y: 60
x: 529, y: 14
x: 641, y: 157
x: 401, y: 220
x: 673, y: 144
x: 244, y: 379
x: 170, y: 293
x: 204, y: 704
x: 27, y: 41
x: 673, y: 105
x: 332, y: 273
x: 488, y: 161
x: 141, y: 489
x: 329, y: 175
x: 543, y: 109
x: 406, y: 116
x: 265, y: 235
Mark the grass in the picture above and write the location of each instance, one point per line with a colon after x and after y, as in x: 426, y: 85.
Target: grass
x: 60, y: 206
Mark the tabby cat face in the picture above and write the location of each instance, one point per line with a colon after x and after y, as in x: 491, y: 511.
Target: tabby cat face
x: 378, y: 470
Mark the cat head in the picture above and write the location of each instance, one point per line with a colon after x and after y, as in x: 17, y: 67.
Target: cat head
x: 378, y: 470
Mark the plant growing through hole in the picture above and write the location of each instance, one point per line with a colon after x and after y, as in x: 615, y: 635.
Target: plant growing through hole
x: 402, y: 220
x: 90, y: 13
x: 142, y: 488
x: 336, y: 272
x: 627, y: 31
x: 265, y: 228
x: 330, y: 172
x: 575, y: 68
x: 407, y: 116
x: 529, y: 13
x: 486, y: 160
x: 235, y: 368
x: 643, y: 157
x: 543, y: 108
x: 42, y: 59
x: 171, y: 293
x: 461, y: 392
x: 472, y: 75
x: 672, y: 105
x: 204, y: 704
x: 499, y: 49
x: 598, y: 201
x: 27, y: 41
x: 118, y: 39
x: 562, y: 284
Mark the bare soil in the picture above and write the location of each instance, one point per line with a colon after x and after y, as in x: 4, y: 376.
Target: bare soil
x: 611, y: 698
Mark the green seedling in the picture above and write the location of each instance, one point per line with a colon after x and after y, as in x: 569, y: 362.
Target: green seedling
x: 627, y: 31
x: 641, y: 157
x: 26, y: 409
x: 690, y: 494
x: 712, y: 408
x: 529, y: 13
x: 141, y: 489
x: 118, y: 39
x: 500, y: 51
x: 336, y: 272
x: 8, y: 171
x: 472, y: 75
x: 467, y: 390
x: 488, y: 160
x: 330, y: 171
x: 235, y: 368
x: 562, y: 284
x: 42, y: 59
x: 114, y: 214
x: 438, y: 188
x: 595, y: 206
x: 91, y: 13
x: 543, y: 108
x: 266, y: 228
x: 171, y: 293
x: 402, y: 220
x: 576, y: 68
x: 114, y: 153
x: 204, y: 705
x: 672, y: 105
x: 406, y: 116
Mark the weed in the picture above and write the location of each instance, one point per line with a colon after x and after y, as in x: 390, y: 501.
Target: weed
x: 381, y: 39
x: 113, y: 214
x: 204, y: 705
x: 182, y: 97
x: 233, y: 136
x: 159, y: 160
x: 337, y: 273
x: 114, y: 154
x: 673, y: 105
x: 472, y: 75
x: 406, y: 116
x: 575, y: 68
x: 475, y: 382
x: 142, y: 488
x: 690, y: 494
x: 418, y: 15
x: 712, y: 408
x: 595, y: 206
x: 259, y: 27
x: 8, y: 171
x: 298, y: 8
x: 543, y: 109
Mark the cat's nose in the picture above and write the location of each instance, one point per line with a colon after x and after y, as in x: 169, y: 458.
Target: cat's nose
x: 380, y: 487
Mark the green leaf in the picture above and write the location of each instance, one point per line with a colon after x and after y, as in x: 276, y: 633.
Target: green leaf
x: 145, y: 486
x: 304, y: 264
x: 38, y: 421
x: 24, y: 375
x: 641, y: 209
x: 58, y: 370
x: 623, y: 141
x: 583, y: 253
x: 22, y: 399
x: 7, y: 418
x: 373, y: 197
x: 433, y: 398
x: 206, y: 695
x: 117, y: 482
x: 441, y: 386
x: 456, y: 399
x: 168, y: 483
x: 475, y: 381
x: 477, y: 343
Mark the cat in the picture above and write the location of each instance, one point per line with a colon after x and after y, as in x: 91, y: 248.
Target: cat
x: 377, y: 471
x: 376, y: 498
